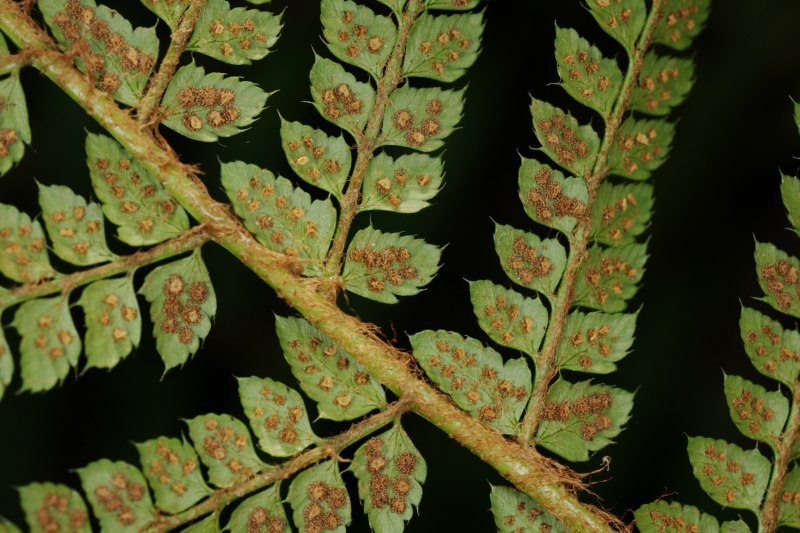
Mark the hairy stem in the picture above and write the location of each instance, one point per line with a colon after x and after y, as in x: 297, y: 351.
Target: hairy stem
x: 392, y: 75
x: 546, y: 367
x: 166, y: 70
x: 537, y: 476
x: 12, y: 63
x: 185, y: 242
x: 770, y: 509
x: 328, y: 448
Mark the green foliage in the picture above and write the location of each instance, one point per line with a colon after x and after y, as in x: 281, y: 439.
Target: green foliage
x: 15, y: 131
x: 132, y: 197
x: 580, y: 418
x: 76, y: 228
x: 6, y: 364
x: 50, y: 344
x: 475, y: 376
x: 550, y: 198
x: 421, y: 118
x: 732, y: 476
x: 681, y: 21
x: 118, y: 494
x: 182, y: 305
x: 205, y: 107
x: 641, y: 147
x: 281, y: 216
x: 261, y: 512
x: 113, y: 321
x: 119, y: 57
x: 663, y: 517
x: 51, y: 507
x: 24, y: 256
x: 319, y: 499
x: 563, y: 140
x: 277, y: 415
x: 610, y: 277
x: 757, y: 413
x: 316, y: 157
x: 169, y: 11
x: 530, y: 261
x: 664, y: 83
x: 443, y: 47
x: 402, y: 185
x: 237, y: 36
x: 339, y: 97
x: 382, y: 266
x: 173, y: 471
x: 621, y: 213
x: 594, y: 342
x: 390, y: 472
x: 340, y: 385
x: 515, y: 511
x: 224, y: 446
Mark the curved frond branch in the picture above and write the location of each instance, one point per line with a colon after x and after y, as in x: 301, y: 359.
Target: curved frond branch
x: 166, y: 71
x: 580, y: 238
x: 186, y: 242
x: 392, y: 75
x: 541, y: 478
x: 327, y: 449
x: 770, y: 509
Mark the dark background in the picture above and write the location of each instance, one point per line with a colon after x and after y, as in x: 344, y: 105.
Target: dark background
x: 718, y: 190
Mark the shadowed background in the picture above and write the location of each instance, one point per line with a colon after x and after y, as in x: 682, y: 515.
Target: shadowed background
x: 718, y: 190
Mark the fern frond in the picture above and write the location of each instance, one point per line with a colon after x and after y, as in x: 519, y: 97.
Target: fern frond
x: 765, y: 485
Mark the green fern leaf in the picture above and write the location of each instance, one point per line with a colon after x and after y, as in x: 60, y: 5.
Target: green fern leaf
x: 732, y: 476
x: 669, y: 517
x: 566, y: 142
x: 339, y: 97
x: 357, y: 35
x: 390, y: 472
x: 261, y: 513
x: 6, y: 364
x: 790, y: 505
x: 77, y: 229
x: 680, y: 22
x: 282, y: 217
x: 15, y: 131
x: 475, y: 376
x: 779, y: 277
x: 421, y: 119
x: 586, y: 75
x: 169, y: 11
x: 209, y: 524
x: 333, y: 378
x: 118, y: 495
x: 182, y: 305
x: 594, y: 342
x: 51, y: 507
x: 120, y: 57
x: 277, y: 415
x: 22, y: 242
x: 640, y: 148
x: 621, y: 212
x: 509, y: 318
x: 237, y: 36
x: 735, y: 527
x: 113, y: 321
x: 224, y: 446
x: 319, y: 499
x: 580, y: 418
x: 515, y: 511
x: 790, y: 192
x: 774, y: 352
x: 173, y: 471
x: 381, y: 266
x: 319, y: 159
x: 758, y: 413
x: 609, y: 277
x: 450, y: 5
x: 50, y: 343
x: 443, y: 47
x: 621, y: 19
x: 549, y: 198
x: 402, y: 185
x: 205, y: 107
x: 132, y: 197
x: 529, y: 261
x: 663, y: 84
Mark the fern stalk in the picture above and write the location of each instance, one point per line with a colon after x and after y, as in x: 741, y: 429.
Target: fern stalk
x: 166, y: 70
x: 392, y: 75
x: 520, y: 464
x: 186, y: 242
x: 579, y: 239
x: 328, y: 448
x: 770, y: 509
